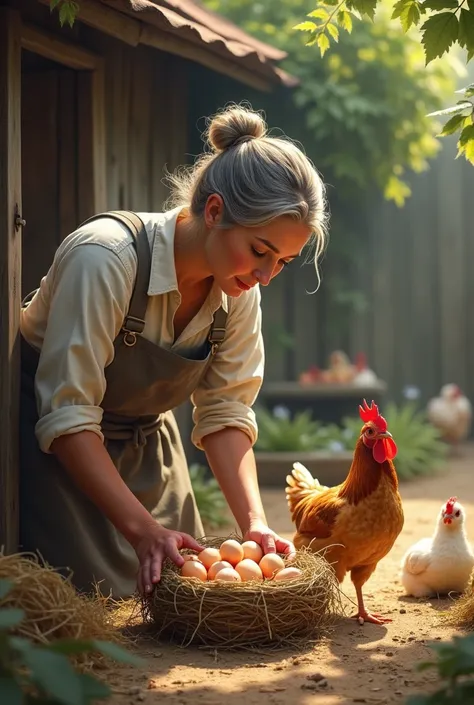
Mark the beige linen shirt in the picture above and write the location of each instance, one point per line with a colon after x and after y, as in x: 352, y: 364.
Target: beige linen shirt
x: 79, y: 309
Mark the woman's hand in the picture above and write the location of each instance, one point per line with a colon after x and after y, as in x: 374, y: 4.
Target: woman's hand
x: 156, y: 544
x: 269, y: 540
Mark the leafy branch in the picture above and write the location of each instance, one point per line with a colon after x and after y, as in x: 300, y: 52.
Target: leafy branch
x: 462, y: 121
x: 449, y: 22
x: 67, y: 10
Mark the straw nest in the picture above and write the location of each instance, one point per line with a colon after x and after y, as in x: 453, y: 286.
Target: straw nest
x: 53, y: 609
x: 461, y: 613
x: 244, y: 615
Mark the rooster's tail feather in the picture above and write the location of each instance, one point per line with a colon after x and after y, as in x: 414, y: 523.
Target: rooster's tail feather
x: 300, y: 484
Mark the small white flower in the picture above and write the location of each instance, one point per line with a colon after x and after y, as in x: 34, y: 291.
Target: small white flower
x: 281, y: 412
x: 411, y: 392
x: 335, y: 446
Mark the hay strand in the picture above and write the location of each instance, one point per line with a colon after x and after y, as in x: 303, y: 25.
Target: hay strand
x: 53, y: 608
x: 461, y: 614
x: 244, y: 615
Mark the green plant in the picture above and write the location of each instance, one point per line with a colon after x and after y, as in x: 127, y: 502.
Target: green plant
x: 420, y: 449
x: 280, y: 433
x: 455, y: 668
x: 43, y: 675
x: 209, y: 498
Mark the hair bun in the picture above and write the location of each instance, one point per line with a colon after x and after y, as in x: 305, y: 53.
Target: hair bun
x: 233, y: 126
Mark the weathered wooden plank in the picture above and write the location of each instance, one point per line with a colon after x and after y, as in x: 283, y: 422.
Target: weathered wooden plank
x: 56, y: 49
x: 10, y: 271
x: 140, y: 128
x: 67, y: 161
x: 158, y: 134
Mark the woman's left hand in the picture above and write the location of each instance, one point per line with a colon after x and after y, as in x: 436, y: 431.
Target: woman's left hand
x: 269, y: 540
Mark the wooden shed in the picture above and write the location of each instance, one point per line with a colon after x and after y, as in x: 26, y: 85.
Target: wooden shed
x: 89, y: 118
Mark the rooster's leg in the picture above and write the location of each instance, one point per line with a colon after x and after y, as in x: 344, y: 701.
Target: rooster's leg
x: 358, y: 577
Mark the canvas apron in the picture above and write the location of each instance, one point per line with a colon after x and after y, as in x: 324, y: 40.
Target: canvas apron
x: 144, y: 382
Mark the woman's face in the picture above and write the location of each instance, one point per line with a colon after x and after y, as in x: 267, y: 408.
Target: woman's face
x: 240, y: 258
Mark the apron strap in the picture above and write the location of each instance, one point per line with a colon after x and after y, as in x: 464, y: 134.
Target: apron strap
x: 134, y: 322
x: 217, y: 332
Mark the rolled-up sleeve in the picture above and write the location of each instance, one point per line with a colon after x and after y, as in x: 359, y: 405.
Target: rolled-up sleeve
x: 90, y: 293
x: 230, y: 386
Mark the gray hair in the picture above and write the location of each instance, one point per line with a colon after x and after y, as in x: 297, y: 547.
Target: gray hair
x: 258, y: 176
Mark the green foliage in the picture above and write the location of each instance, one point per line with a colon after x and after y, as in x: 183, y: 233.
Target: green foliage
x: 67, y: 10
x: 361, y: 112
x: 420, y: 450
x: 455, y: 668
x: 43, y: 675
x: 462, y: 121
x: 209, y: 498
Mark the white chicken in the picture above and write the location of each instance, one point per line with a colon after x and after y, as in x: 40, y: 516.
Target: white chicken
x: 451, y: 413
x: 443, y: 563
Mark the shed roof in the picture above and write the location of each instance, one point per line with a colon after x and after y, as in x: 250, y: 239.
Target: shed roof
x: 223, y: 43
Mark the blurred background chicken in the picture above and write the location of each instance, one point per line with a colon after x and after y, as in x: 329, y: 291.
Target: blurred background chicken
x: 358, y: 521
x: 443, y: 563
x: 451, y: 414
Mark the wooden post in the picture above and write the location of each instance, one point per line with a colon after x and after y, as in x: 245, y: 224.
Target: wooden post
x: 10, y: 271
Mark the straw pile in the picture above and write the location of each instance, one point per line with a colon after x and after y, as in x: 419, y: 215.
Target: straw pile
x: 53, y: 609
x: 461, y: 613
x: 244, y: 615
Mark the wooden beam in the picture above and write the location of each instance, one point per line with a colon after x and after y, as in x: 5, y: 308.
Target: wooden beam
x: 56, y: 49
x: 108, y: 21
x: 10, y: 272
x: 173, y: 44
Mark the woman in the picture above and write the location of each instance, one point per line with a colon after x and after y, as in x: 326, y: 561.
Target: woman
x: 136, y: 315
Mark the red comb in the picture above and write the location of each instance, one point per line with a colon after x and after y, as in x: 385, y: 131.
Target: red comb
x: 450, y: 504
x: 371, y: 413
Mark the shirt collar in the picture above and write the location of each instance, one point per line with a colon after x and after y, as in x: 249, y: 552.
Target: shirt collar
x: 161, y: 230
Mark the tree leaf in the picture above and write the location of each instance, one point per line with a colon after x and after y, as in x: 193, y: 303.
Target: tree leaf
x: 333, y: 31
x: 466, y: 29
x: 10, y: 617
x: 344, y: 20
x: 320, y: 14
x: 410, y: 15
x: 5, y: 587
x: 439, y: 33
x: 452, y: 125
x: 323, y: 43
x: 306, y: 26
x: 55, y: 675
x: 457, y: 109
x: 468, y: 91
x: 366, y: 7
x: 10, y: 691
x: 116, y: 652
x: 92, y: 688
x: 440, y: 5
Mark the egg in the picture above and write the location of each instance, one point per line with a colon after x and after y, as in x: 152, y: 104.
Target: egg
x: 249, y: 570
x: 216, y: 567
x: 190, y: 557
x: 252, y: 550
x: 228, y: 574
x: 270, y: 563
x: 194, y: 569
x: 288, y: 574
x: 231, y: 551
x: 209, y: 556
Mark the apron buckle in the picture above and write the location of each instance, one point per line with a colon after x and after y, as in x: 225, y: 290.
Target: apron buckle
x: 129, y: 338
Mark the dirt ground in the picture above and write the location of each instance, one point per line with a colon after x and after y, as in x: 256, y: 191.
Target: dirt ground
x: 360, y: 664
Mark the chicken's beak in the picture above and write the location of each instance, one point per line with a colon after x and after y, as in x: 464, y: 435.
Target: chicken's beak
x: 385, y: 435
x: 448, y: 519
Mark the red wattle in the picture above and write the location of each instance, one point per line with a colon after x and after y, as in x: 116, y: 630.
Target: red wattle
x: 378, y: 452
x: 390, y: 448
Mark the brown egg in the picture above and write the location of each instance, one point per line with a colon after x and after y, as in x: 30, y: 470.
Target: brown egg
x: 228, y: 574
x: 288, y: 574
x: 216, y: 567
x: 194, y: 569
x: 270, y: 563
x: 249, y: 570
x: 209, y: 556
x: 190, y: 557
x: 252, y: 550
x: 231, y: 551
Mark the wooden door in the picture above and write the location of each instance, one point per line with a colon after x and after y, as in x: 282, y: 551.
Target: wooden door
x: 10, y: 271
x: 49, y: 162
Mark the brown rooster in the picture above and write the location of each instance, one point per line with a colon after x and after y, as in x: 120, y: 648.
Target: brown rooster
x: 358, y: 521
